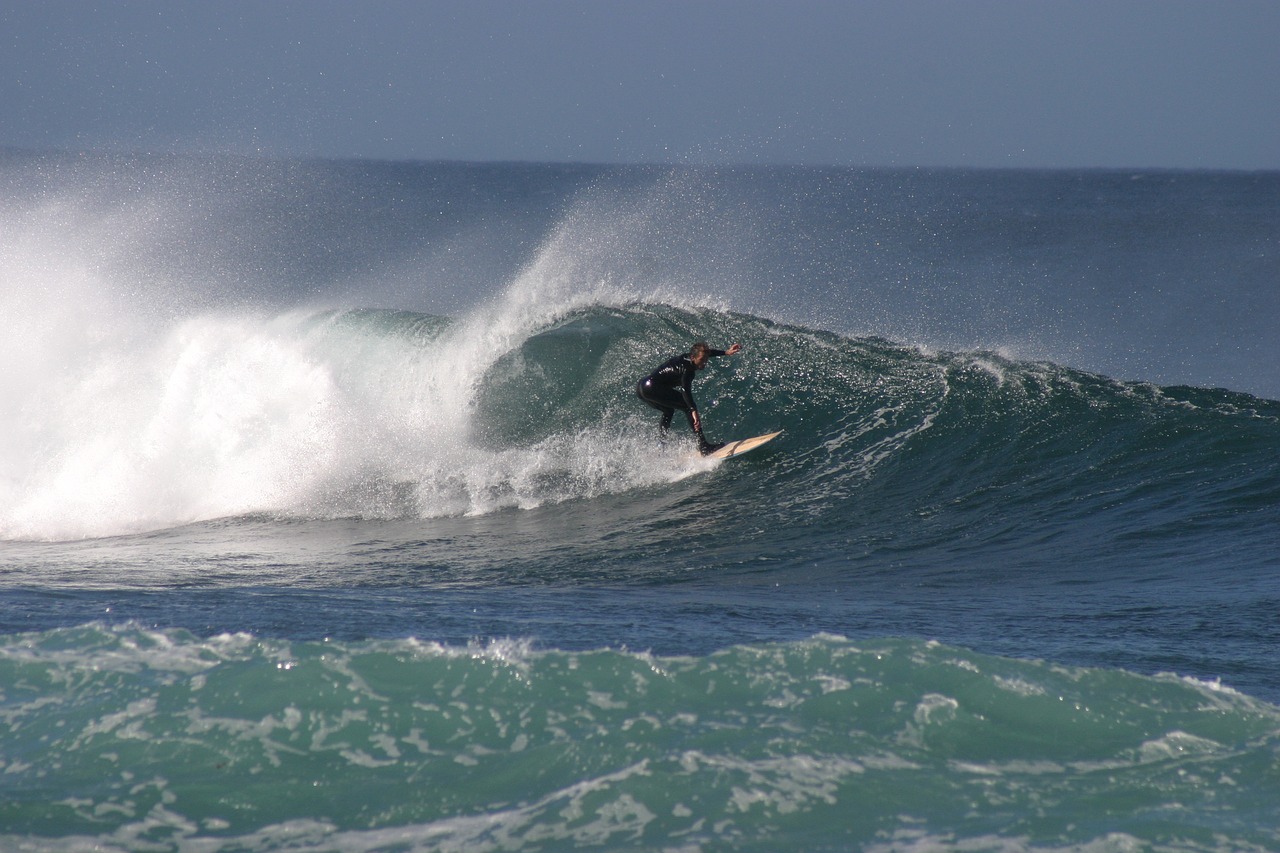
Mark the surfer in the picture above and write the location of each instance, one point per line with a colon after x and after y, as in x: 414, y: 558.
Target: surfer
x: 670, y: 387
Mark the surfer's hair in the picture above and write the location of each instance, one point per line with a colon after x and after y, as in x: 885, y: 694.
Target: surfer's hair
x: 700, y: 348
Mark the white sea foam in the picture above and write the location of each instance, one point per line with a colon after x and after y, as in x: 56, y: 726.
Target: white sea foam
x: 132, y: 405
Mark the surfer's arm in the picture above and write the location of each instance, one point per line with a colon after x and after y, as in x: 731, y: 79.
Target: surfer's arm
x: 686, y: 390
x: 733, y: 350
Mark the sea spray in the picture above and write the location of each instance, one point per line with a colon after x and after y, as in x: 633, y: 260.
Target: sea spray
x: 140, y: 403
x: 229, y: 415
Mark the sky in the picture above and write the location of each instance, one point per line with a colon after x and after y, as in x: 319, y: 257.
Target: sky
x: 1184, y: 84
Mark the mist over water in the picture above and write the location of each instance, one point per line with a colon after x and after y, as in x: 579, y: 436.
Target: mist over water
x: 151, y: 394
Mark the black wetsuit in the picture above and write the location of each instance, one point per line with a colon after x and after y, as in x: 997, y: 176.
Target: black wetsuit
x: 670, y: 387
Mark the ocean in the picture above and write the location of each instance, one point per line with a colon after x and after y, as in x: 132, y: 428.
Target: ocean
x: 330, y: 520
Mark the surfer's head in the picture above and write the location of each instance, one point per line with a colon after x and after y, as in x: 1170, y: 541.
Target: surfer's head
x: 698, y: 354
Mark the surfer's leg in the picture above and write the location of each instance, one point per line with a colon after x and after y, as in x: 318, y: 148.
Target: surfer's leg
x: 704, y: 446
x: 664, y: 425
x: 652, y: 397
x: 667, y: 402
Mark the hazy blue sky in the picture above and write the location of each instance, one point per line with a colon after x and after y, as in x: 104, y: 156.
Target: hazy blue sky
x: 1114, y: 83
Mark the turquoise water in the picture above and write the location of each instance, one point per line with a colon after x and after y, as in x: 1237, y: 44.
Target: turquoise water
x: 137, y: 738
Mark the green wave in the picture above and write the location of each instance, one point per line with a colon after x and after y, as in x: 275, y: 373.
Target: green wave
x: 138, y: 739
x: 914, y: 450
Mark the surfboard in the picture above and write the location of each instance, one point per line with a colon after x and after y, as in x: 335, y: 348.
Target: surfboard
x: 737, y: 448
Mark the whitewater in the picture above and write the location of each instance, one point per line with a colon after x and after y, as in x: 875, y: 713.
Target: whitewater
x: 329, y: 519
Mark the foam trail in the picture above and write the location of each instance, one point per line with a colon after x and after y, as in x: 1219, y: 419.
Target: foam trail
x: 135, y: 406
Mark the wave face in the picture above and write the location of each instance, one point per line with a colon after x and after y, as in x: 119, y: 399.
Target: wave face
x: 159, y: 740
x: 386, y: 415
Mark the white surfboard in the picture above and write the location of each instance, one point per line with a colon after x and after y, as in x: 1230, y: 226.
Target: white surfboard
x: 737, y: 448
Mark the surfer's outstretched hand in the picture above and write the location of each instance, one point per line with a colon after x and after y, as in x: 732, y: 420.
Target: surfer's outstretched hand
x: 733, y: 350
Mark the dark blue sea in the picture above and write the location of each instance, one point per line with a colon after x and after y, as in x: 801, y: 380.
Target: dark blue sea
x: 330, y: 521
